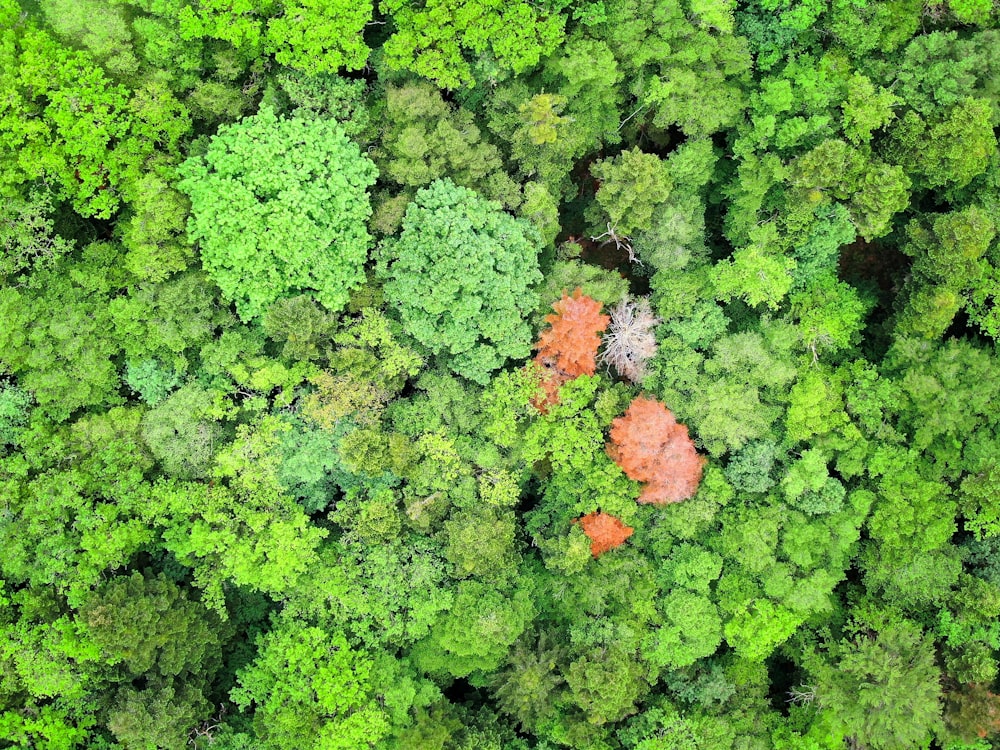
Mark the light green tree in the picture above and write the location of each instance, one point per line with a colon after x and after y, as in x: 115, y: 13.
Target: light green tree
x: 297, y: 226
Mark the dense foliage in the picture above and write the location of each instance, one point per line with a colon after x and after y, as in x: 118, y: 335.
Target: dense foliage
x: 279, y: 206
x: 499, y: 375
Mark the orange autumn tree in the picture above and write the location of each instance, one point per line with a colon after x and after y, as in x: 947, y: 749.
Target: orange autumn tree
x: 604, y: 531
x: 651, y: 447
x: 568, y: 347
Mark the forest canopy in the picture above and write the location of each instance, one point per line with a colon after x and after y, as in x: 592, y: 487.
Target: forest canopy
x: 499, y: 375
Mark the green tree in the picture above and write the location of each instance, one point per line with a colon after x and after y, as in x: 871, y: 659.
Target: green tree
x: 301, y: 326
x: 325, y: 95
x: 425, y: 139
x: 61, y: 534
x: 948, y: 264
x: 585, y: 73
x: 152, y: 231
x: 27, y: 240
x: 386, y: 596
x: 606, y: 683
x: 684, y: 72
x: 941, y: 69
x: 57, y: 337
x: 368, y: 367
x: 481, y: 543
x: 49, y: 667
x: 431, y: 38
x: 317, y: 36
x: 873, y: 190
x: 884, y: 690
x: 477, y: 631
x: 66, y: 122
x: 460, y: 277
x: 690, y: 630
x: 528, y: 687
x: 946, y: 150
x: 169, y: 321
x: 881, y: 27
x: 310, y: 689
x: 101, y: 30
x: 831, y: 314
x: 149, y: 625
x: 15, y: 409
x: 163, y: 716
x: 758, y: 273
x: 867, y: 109
x: 541, y: 114
x: 242, y: 528
x: 633, y: 185
x: 182, y: 434
x: 241, y: 24
x: 566, y: 446
x: 297, y: 226
x: 752, y: 369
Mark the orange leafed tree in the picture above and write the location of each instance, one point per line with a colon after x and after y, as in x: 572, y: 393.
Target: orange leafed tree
x: 568, y: 347
x: 651, y: 447
x: 605, y: 532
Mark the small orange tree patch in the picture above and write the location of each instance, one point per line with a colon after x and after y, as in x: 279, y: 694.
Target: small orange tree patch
x: 568, y: 347
x: 571, y: 342
x: 605, y: 532
x: 651, y: 447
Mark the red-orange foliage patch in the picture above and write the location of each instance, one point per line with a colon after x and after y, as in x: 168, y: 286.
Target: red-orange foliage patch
x: 571, y: 342
x: 651, y: 447
x: 568, y: 347
x: 605, y: 532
